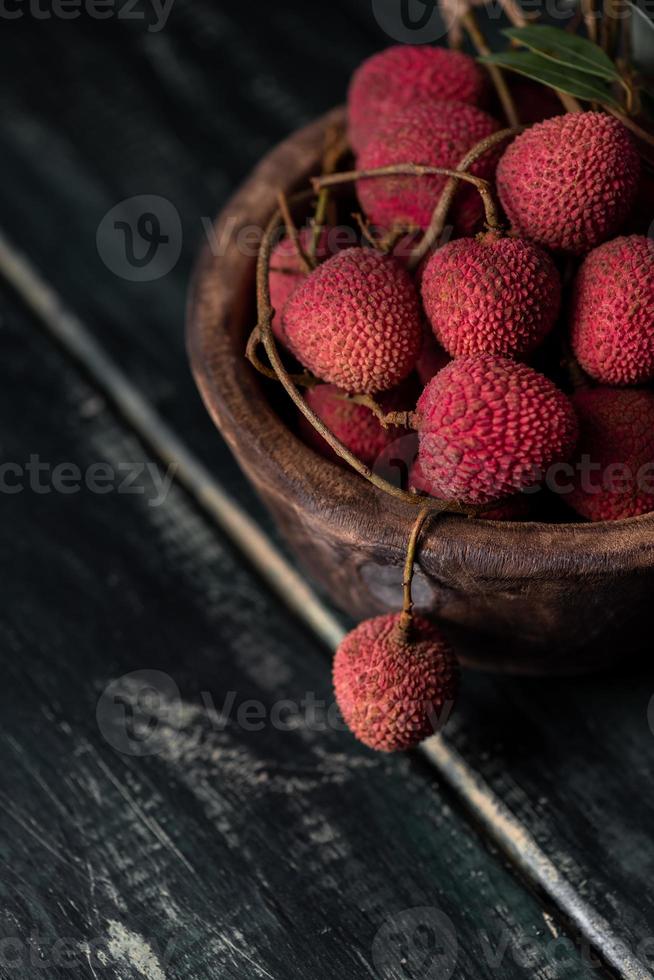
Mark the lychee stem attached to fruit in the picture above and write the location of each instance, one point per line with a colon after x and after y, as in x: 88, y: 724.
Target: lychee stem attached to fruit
x: 406, y: 619
x: 265, y: 314
x: 306, y: 264
x: 418, y: 170
x: 439, y: 217
x: 405, y: 420
x: 335, y: 147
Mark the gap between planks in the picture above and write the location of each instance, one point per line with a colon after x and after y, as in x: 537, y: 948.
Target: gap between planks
x: 488, y: 809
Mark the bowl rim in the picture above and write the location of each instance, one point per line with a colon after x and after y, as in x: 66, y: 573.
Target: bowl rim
x: 231, y: 397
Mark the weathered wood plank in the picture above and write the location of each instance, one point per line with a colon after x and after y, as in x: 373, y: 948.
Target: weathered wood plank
x: 73, y: 145
x: 182, y: 836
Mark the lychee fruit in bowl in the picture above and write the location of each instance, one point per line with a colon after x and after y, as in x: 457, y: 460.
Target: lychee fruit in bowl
x: 614, y: 475
x: 570, y: 182
x: 612, y: 312
x: 491, y: 295
x: 356, y: 321
x: 393, y: 79
x: 433, y: 136
x: 490, y: 427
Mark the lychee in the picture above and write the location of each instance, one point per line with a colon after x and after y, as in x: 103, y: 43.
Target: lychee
x: 491, y: 295
x: 490, y: 427
x: 286, y: 272
x: 614, y: 476
x: 395, y: 689
x: 514, y: 508
x: 354, y: 425
x: 570, y: 182
x: 395, y: 78
x: 436, y: 136
x: 356, y: 321
x: 612, y: 314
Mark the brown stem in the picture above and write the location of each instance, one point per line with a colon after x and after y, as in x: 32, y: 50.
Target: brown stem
x: 304, y: 380
x: 406, y: 619
x: 590, y: 18
x: 265, y: 314
x: 569, y: 103
x: 364, y: 228
x: 419, y: 170
x: 641, y: 133
x: 515, y: 13
x: 439, y: 217
x: 471, y: 25
x: 402, y: 420
x: 293, y: 234
x: 335, y: 147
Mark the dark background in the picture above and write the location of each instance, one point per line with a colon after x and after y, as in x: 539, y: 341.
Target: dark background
x: 233, y: 851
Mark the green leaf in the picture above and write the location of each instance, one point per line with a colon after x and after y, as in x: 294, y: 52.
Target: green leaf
x: 566, y: 49
x: 554, y: 75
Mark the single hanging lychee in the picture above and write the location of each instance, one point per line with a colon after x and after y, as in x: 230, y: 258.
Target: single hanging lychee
x: 395, y: 687
x: 570, y: 182
x: 354, y: 425
x: 612, y: 316
x: 401, y: 75
x: 491, y: 295
x: 356, y: 321
x: 614, y: 475
x: 490, y: 427
x: 436, y: 136
x: 286, y: 272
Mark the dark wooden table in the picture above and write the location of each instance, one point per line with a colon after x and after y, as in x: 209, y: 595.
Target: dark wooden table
x: 165, y: 812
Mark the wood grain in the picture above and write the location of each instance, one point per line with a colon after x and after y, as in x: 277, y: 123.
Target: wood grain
x: 232, y: 848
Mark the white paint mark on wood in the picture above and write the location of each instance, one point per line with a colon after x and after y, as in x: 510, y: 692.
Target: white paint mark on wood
x: 130, y: 949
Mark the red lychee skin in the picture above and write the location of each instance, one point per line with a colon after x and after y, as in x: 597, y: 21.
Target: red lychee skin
x: 490, y: 427
x: 393, y: 79
x: 570, y: 182
x: 432, y: 358
x: 437, y: 136
x: 515, y: 508
x: 616, y: 428
x: 391, y: 693
x: 286, y: 273
x: 353, y: 425
x: 356, y: 321
x: 612, y: 315
x: 491, y: 295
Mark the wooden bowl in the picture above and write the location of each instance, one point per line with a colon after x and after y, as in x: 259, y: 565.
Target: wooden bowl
x: 527, y: 598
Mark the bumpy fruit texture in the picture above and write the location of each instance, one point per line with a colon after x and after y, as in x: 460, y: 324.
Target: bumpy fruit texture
x: 612, y: 315
x: 437, y: 136
x: 515, y: 508
x: 570, y: 182
x: 356, y: 321
x: 393, y: 693
x: 353, y: 425
x: 491, y: 295
x: 286, y: 273
x: 490, y: 427
x: 614, y: 476
x: 394, y: 79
